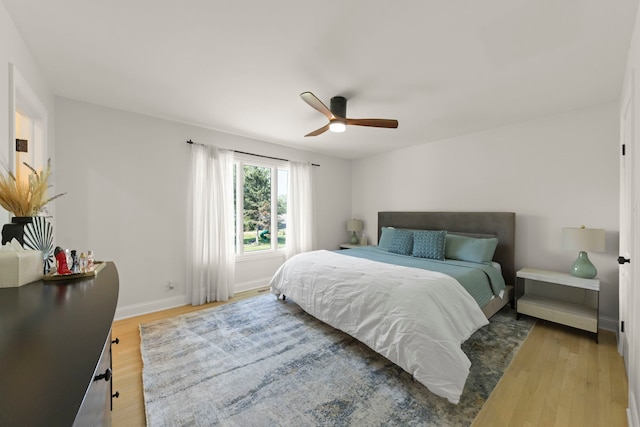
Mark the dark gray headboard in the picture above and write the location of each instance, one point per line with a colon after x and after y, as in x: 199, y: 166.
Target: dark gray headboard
x: 499, y: 224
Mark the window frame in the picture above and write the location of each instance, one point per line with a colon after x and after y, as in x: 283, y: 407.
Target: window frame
x: 239, y: 161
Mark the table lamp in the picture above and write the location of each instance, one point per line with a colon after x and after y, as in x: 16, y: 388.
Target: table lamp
x: 583, y: 239
x: 354, y: 225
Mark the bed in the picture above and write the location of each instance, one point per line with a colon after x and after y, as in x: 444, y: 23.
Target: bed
x: 413, y: 306
x: 501, y: 225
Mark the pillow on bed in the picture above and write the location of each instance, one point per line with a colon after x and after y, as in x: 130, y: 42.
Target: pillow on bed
x: 471, y: 249
x: 386, y: 237
x: 402, y: 242
x: 429, y: 244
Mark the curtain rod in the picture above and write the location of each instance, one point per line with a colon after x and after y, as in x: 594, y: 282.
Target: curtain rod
x: 250, y: 154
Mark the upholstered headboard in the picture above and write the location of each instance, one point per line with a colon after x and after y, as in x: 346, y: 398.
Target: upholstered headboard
x: 499, y: 224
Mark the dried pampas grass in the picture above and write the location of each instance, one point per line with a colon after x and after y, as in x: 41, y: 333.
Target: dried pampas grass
x: 26, y: 198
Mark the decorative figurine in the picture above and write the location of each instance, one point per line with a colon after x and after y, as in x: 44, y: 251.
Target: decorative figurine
x: 75, y: 268
x: 61, y: 258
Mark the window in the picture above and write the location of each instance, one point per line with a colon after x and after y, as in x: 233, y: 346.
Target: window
x: 260, y: 201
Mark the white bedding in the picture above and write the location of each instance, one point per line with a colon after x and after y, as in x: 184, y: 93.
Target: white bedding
x: 416, y: 318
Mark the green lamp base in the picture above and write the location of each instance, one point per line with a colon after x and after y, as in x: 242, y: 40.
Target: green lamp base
x: 354, y: 239
x: 582, y: 267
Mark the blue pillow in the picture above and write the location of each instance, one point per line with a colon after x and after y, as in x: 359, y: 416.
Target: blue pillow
x: 402, y: 242
x: 429, y: 244
x: 472, y: 249
x: 386, y: 237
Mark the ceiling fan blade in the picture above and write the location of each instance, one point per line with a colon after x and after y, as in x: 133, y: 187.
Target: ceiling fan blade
x: 317, y: 132
x: 312, y: 100
x: 378, y: 123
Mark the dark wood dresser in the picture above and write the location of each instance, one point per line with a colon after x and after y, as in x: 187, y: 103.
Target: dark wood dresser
x: 55, y: 351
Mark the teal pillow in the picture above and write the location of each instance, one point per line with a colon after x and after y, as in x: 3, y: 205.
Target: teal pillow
x: 402, y: 242
x: 429, y: 244
x: 471, y: 249
x: 386, y: 237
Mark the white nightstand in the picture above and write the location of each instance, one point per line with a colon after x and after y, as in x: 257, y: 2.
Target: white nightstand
x: 558, y: 297
x: 350, y: 246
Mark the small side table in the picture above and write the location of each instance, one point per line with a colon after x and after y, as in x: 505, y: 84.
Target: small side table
x: 558, y: 297
x: 351, y: 246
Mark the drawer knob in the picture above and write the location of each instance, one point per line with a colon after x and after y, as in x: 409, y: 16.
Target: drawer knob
x: 116, y: 341
x: 106, y: 376
x: 623, y: 260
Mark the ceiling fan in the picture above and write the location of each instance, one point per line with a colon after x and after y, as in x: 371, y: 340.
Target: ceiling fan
x: 337, y: 115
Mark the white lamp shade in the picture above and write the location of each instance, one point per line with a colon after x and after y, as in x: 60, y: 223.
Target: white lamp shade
x: 584, y: 239
x: 354, y: 225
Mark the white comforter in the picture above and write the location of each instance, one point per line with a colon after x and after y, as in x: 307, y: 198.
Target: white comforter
x: 416, y: 318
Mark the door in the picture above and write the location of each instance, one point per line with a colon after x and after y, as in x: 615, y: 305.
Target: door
x: 29, y: 122
x: 626, y: 223
x: 629, y: 342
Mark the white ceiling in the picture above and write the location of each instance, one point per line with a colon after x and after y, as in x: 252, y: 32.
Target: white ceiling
x: 440, y: 67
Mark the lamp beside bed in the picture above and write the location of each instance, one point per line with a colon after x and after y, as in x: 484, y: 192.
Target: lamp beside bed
x: 355, y: 226
x: 583, y: 239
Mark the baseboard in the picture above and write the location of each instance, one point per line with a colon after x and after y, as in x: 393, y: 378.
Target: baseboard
x: 150, y: 307
x: 249, y: 286
x: 633, y: 416
x: 608, y: 323
x: 177, y: 301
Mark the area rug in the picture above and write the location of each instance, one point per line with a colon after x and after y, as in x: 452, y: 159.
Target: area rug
x: 265, y: 362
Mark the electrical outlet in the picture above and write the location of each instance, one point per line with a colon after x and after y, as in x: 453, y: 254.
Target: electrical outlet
x: 171, y: 285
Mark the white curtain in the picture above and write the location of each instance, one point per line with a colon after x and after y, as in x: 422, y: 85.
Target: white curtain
x: 301, y: 218
x: 211, y: 263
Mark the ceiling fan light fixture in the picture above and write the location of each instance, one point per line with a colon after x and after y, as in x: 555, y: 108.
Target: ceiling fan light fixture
x: 337, y: 126
x: 337, y: 115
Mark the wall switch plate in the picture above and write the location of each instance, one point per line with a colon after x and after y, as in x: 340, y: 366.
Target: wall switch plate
x: 22, y: 145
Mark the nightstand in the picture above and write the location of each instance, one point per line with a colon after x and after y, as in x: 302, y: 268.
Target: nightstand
x: 558, y: 297
x: 350, y: 246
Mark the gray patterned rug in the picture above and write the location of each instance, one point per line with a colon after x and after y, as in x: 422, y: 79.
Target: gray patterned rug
x: 265, y: 362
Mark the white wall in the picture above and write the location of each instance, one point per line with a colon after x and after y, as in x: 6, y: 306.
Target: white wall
x: 553, y: 172
x: 126, y: 178
x: 14, y: 51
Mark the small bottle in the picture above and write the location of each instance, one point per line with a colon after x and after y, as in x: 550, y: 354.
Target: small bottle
x: 83, y: 263
x: 90, y: 265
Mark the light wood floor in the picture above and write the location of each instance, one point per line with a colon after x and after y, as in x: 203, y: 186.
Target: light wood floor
x: 560, y: 377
